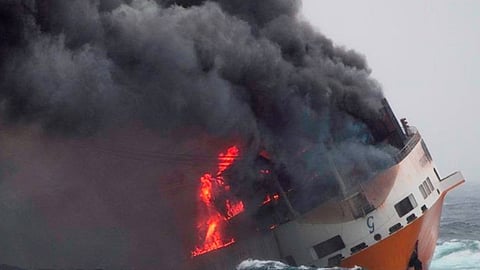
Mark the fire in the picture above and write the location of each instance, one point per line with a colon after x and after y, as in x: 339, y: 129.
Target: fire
x: 233, y: 208
x: 227, y: 159
x: 213, y: 236
x: 211, y: 224
x: 206, y: 189
x: 273, y: 226
x: 269, y: 198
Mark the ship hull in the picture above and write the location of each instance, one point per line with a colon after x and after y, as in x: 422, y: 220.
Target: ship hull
x: 399, y: 233
x: 394, y: 252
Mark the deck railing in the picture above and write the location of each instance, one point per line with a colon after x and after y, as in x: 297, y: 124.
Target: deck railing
x: 412, y: 141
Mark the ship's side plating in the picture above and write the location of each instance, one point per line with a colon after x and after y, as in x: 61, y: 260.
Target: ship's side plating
x: 416, y: 195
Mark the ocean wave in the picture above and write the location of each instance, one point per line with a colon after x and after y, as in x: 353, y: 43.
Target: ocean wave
x: 275, y: 265
x: 457, y: 254
x: 463, y: 229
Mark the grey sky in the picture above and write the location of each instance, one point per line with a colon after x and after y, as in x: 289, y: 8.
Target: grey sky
x: 426, y: 54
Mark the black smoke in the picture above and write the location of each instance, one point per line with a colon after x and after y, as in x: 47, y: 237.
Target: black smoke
x: 251, y: 72
x: 75, y: 66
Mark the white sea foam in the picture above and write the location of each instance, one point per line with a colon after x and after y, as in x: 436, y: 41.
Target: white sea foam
x: 457, y: 254
x: 251, y: 264
x: 449, y: 255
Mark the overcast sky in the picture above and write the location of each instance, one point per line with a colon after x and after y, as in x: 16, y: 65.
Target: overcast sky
x: 426, y: 54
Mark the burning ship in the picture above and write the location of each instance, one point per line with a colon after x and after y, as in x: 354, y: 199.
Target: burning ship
x: 390, y: 221
x: 317, y: 170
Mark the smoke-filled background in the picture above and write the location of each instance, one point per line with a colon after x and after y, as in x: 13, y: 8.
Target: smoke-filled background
x: 111, y: 110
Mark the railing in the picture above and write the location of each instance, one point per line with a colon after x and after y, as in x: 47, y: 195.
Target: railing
x: 412, y: 141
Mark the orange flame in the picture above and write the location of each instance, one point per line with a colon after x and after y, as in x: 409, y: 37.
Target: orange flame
x: 211, y: 224
x: 234, y: 208
x: 227, y: 159
x: 269, y: 198
x: 206, y: 189
x: 213, y: 237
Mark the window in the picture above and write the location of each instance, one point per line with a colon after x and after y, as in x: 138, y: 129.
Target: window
x: 430, y: 184
x: 411, y: 218
x: 358, y: 247
x: 406, y: 205
x: 422, y: 190
x: 427, y: 188
x: 395, y: 228
x: 328, y: 247
x: 363, y: 206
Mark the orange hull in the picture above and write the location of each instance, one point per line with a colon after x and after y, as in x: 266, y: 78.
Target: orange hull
x: 394, y: 251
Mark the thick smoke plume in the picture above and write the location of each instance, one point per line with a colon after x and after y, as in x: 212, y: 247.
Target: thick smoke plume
x: 169, y: 83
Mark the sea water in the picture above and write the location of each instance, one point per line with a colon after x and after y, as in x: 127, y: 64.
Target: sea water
x: 273, y: 265
x: 458, y: 246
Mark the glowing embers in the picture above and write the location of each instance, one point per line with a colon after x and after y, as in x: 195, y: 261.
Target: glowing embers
x: 269, y: 198
x: 211, y: 220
